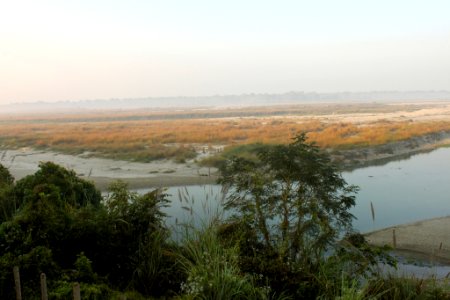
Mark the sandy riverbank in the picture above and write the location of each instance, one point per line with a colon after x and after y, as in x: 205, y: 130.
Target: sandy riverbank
x: 155, y: 182
x: 101, y: 171
x: 427, y: 240
x: 166, y: 173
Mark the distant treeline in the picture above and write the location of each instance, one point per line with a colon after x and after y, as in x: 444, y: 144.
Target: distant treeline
x: 228, y: 100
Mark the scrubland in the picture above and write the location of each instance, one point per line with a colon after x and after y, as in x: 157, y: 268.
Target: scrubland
x: 146, y: 136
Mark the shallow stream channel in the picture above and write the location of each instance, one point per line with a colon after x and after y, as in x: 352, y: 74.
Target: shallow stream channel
x: 400, y: 192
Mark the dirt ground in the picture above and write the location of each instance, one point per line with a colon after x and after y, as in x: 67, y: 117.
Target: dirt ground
x: 428, y: 239
x: 102, y: 171
x: 439, y: 112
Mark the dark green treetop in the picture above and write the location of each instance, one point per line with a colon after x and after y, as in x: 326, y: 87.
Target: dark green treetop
x: 292, y: 197
x: 73, y: 190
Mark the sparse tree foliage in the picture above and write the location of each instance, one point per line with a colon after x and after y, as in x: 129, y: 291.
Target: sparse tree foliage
x: 292, y: 197
x: 7, y: 201
x: 6, y: 178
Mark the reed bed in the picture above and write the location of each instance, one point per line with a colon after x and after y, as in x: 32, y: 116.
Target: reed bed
x: 181, y: 139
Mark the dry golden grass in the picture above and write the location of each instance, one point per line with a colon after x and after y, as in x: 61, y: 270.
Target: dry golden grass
x: 146, y: 140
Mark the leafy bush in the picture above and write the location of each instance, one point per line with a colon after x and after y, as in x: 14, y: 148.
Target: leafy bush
x: 62, y: 228
x: 247, y: 151
x: 6, y: 179
x: 73, y: 190
x: 292, y: 204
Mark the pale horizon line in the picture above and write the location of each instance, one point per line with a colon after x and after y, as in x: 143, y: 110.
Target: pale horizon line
x: 293, y: 92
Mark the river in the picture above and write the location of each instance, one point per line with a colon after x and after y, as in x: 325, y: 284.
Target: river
x: 401, y: 192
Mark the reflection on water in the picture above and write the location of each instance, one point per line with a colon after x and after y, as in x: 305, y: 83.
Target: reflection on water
x: 401, y: 192
x: 196, y: 204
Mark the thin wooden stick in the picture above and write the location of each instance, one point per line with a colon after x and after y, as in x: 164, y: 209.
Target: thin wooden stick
x: 17, y: 283
x: 394, y: 239
x: 76, y: 291
x: 44, y: 294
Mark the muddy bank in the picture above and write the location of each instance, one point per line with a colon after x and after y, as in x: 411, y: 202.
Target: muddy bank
x: 167, y: 173
x: 102, y: 183
x: 379, y: 155
x: 427, y: 240
x: 102, y: 171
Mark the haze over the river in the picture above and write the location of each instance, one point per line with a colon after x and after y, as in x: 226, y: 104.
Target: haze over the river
x: 77, y: 50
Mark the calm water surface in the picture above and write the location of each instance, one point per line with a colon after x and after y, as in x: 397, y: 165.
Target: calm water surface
x: 401, y: 192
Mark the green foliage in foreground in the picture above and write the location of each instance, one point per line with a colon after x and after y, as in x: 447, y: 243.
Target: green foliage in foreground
x: 60, y: 225
x: 283, y: 240
x: 246, y: 151
x: 213, y: 270
x: 291, y: 197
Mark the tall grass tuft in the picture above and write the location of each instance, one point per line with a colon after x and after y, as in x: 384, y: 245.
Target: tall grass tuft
x: 212, y: 270
x: 372, y: 210
x: 352, y: 291
x: 399, y: 288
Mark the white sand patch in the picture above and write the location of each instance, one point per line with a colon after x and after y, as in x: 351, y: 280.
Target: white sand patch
x: 26, y: 161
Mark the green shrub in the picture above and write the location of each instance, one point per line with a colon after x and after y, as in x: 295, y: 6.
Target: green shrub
x: 212, y: 270
x: 399, y: 288
x: 62, y: 290
x: 247, y: 151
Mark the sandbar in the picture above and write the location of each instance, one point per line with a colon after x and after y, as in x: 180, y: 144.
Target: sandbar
x: 101, y: 171
x: 427, y: 240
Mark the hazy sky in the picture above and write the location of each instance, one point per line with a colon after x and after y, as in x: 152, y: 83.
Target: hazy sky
x: 90, y: 49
